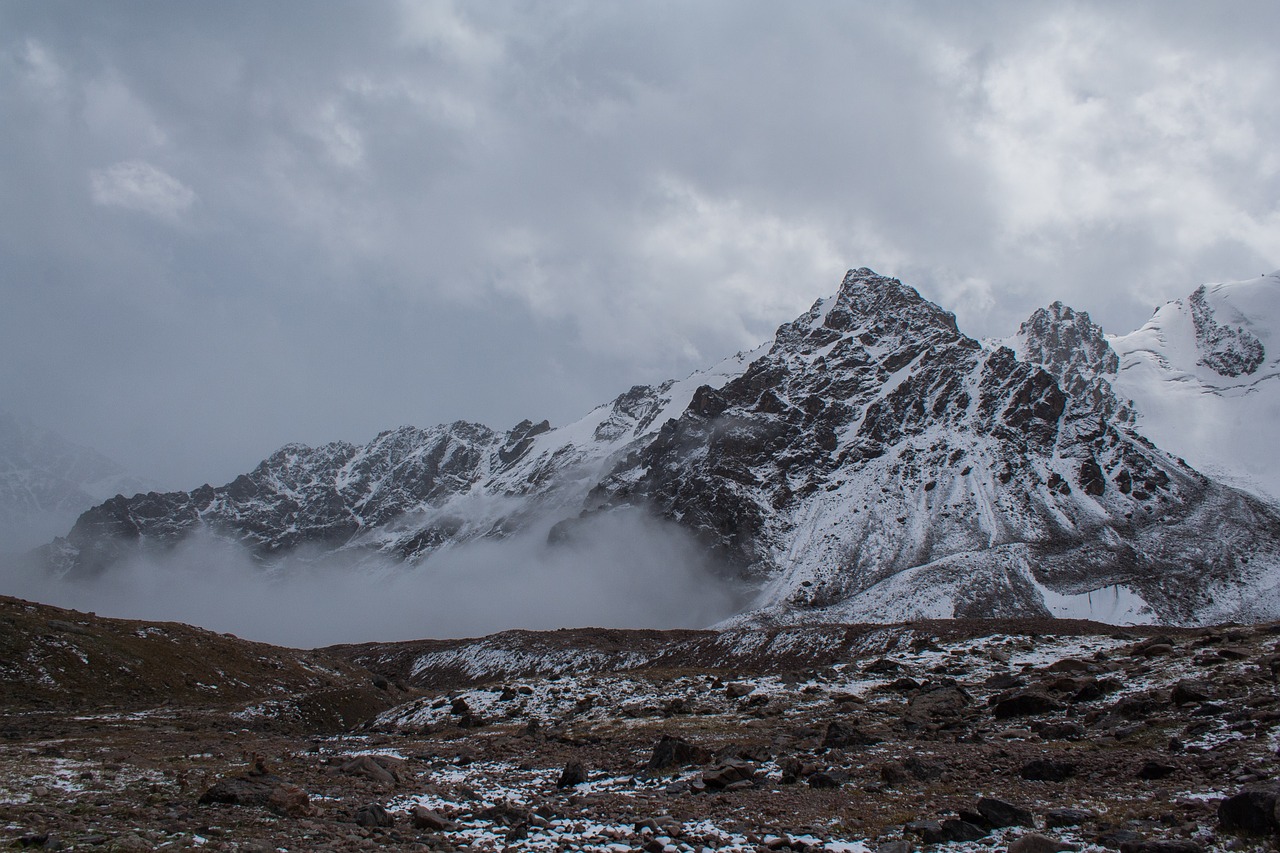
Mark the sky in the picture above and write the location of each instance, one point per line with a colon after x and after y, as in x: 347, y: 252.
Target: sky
x: 228, y: 226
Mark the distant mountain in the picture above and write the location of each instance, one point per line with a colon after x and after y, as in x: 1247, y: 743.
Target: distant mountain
x: 1204, y: 376
x: 871, y: 463
x: 46, y: 482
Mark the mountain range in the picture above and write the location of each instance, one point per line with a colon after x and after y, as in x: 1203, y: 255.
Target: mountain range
x: 870, y: 463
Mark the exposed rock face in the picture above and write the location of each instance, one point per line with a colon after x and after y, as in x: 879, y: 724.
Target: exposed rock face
x: 1228, y: 351
x: 872, y: 463
x: 876, y: 463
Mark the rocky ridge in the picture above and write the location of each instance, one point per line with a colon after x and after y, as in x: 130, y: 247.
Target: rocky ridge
x: 871, y: 463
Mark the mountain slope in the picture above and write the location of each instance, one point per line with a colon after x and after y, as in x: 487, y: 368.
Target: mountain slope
x: 872, y: 463
x: 404, y: 495
x: 1204, y: 374
x: 878, y: 464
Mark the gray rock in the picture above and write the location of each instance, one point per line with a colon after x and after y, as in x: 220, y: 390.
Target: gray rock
x: 1034, y: 842
x: 998, y: 813
x: 1067, y: 817
x: 574, y: 773
x: 675, y: 752
x: 374, y: 815
x: 424, y: 818
x: 371, y: 768
x: 1047, y: 770
x: 1251, y: 810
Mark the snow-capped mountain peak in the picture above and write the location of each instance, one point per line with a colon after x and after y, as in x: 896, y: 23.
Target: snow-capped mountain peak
x: 1204, y: 374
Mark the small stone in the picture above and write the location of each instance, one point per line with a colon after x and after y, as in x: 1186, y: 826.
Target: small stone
x: 738, y: 689
x: 574, y: 773
x: 1156, y: 770
x: 1047, y: 770
x: 998, y: 813
x: 424, y: 818
x: 289, y: 801
x: 1054, y: 818
x: 1034, y: 842
x: 374, y: 815
x: 1024, y: 703
x: 899, y: 846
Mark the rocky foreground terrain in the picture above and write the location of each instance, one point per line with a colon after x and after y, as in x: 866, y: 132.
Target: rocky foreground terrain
x: 1032, y: 735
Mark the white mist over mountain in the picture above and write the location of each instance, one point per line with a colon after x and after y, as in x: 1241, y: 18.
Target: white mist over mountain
x: 620, y: 570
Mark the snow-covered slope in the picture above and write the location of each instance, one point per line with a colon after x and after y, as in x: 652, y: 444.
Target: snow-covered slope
x: 407, y: 493
x: 46, y: 482
x: 1204, y: 378
x: 877, y: 464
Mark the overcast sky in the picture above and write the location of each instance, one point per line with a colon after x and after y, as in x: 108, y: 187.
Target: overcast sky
x: 225, y: 226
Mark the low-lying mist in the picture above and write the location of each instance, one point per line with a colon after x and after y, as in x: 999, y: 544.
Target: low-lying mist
x: 617, y: 570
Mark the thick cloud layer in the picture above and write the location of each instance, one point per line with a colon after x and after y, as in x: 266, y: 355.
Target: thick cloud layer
x: 620, y: 570
x: 227, y: 226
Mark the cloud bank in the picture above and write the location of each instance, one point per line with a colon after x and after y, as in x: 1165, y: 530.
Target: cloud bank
x: 620, y: 570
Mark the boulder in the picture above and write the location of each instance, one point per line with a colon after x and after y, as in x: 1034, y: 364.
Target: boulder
x: 1034, y: 842
x: 370, y: 767
x: 998, y: 813
x: 424, y: 818
x: 374, y: 815
x: 841, y: 734
x: 574, y: 773
x: 1024, y: 703
x: 1251, y: 810
x: 675, y: 752
x: 1047, y: 770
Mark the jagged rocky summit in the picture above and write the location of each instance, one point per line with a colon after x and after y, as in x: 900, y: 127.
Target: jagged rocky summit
x: 872, y: 463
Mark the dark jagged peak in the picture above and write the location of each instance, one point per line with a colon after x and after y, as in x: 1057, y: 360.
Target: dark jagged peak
x: 633, y: 411
x: 1066, y: 342
x: 1074, y: 350
x: 520, y: 439
x: 875, y: 310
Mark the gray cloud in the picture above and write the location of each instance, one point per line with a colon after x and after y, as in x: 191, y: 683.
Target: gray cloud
x: 621, y: 570
x: 231, y: 226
